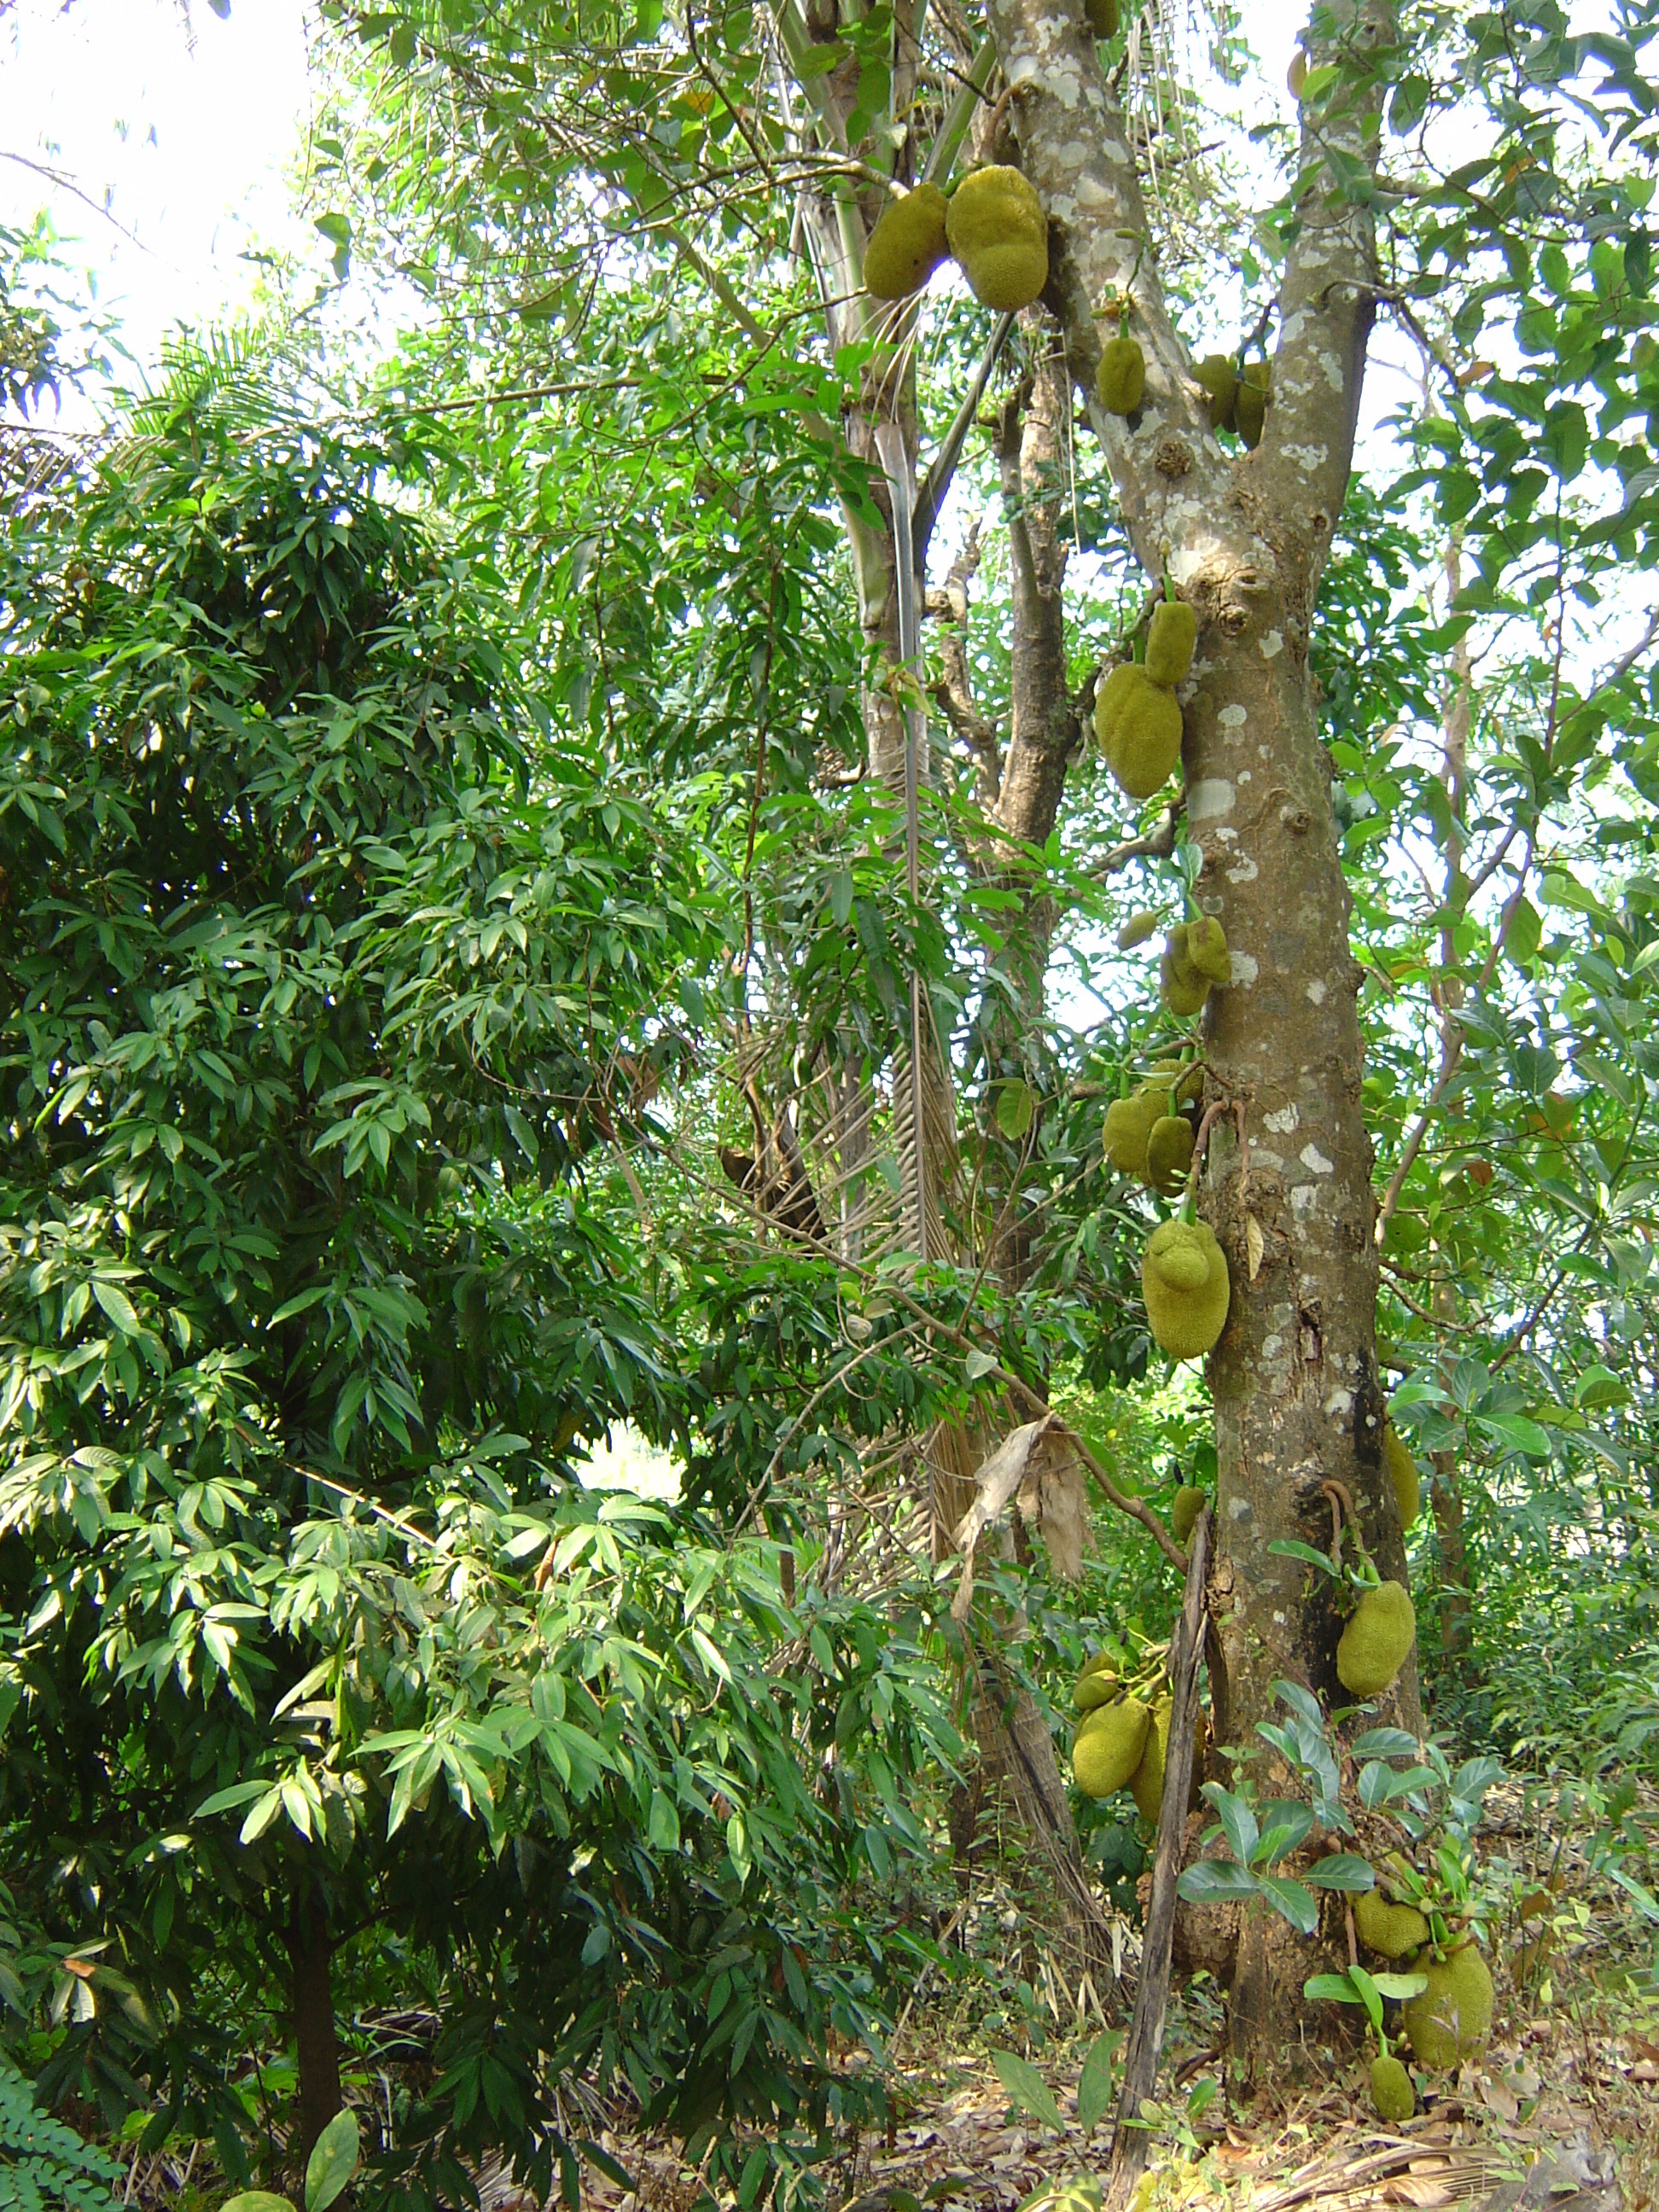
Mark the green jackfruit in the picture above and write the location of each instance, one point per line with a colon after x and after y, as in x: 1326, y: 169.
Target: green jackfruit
x: 1169, y: 642
x: 1184, y: 1281
x: 1096, y: 1685
x: 1128, y: 1125
x: 907, y: 244
x: 1403, y: 1474
x: 1390, y: 1930
x: 1121, y: 380
x: 1169, y: 1153
x: 1392, y: 2092
x: 1189, y: 1503
x: 1147, y: 1780
x: 1138, y: 727
x: 1138, y: 928
x: 1374, y: 1644
x: 1297, y: 76
x: 1106, y: 1750
x: 1183, y: 988
x: 1103, y: 17
x: 1215, y: 374
x: 1207, y: 950
x: 999, y: 233
x: 1250, y: 405
x: 1451, y: 2020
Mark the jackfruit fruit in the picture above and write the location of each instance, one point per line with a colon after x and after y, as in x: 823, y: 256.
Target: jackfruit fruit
x: 1129, y: 1124
x: 1207, y: 950
x: 1137, y: 726
x: 907, y: 244
x: 1096, y: 1685
x: 1169, y: 1153
x: 1297, y: 76
x: 1103, y: 17
x: 1183, y: 988
x: 1189, y: 1503
x: 1147, y: 1780
x: 1184, y: 1281
x: 1392, y: 2092
x: 997, y: 232
x: 1138, y: 928
x: 1390, y: 1930
x: 1169, y: 642
x: 1215, y: 374
x: 1121, y: 380
x: 1251, y: 403
x: 1403, y: 1474
x: 1451, y: 2020
x: 1106, y: 1750
x: 1374, y: 1644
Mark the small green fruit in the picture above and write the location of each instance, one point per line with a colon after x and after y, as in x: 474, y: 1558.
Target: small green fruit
x: 1106, y: 1750
x: 907, y: 244
x: 1206, y: 950
x: 1103, y: 17
x: 1184, y: 1281
x: 1250, y: 405
x: 1138, y: 928
x: 1403, y: 1474
x: 1189, y: 1503
x: 1374, y: 1643
x: 1184, y: 990
x: 1390, y: 1930
x: 1391, y: 2090
x: 1128, y: 1125
x: 1215, y: 374
x: 1138, y: 727
x: 1169, y: 642
x: 1094, y: 1689
x: 1121, y: 380
x: 1169, y: 1153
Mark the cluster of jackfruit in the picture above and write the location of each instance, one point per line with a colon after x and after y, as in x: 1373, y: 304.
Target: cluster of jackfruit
x: 1136, y: 714
x: 993, y: 224
x: 1187, y: 1288
x: 1121, y: 1740
x: 1146, y: 1135
x: 1237, y: 402
x: 1195, y: 962
x: 1373, y: 1647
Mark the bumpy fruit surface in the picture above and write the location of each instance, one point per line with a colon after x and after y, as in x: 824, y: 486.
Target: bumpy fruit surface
x: 1184, y: 990
x: 1451, y: 2021
x: 1129, y: 1124
x: 1390, y: 1930
x: 1207, y: 950
x: 1374, y: 1644
x: 1138, y: 727
x: 1215, y: 374
x: 997, y: 232
x: 907, y: 244
x: 1392, y: 2092
x: 1184, y: 1281
x: 1138, y: 928
x: 1169, y: 642
x: 1169, y: 1153
x: 1403, y: 1474
x: 1250, y: 403
x: 1189, y: 1503
x: 1121, y: 379
x: 1093, y: 1688
x: 1106, y: 1750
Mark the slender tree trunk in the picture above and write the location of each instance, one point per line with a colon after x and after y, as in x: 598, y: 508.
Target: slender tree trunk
x: 1298, y: 1401
x: 310, y: 1953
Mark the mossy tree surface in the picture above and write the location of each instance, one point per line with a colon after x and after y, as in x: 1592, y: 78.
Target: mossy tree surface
x: 1244, y: 538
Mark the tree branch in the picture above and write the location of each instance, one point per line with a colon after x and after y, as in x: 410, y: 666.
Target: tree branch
x: 930, y: 498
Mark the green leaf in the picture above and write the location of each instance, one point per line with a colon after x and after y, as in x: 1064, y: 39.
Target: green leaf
x: 1027, y: 2088
x: 1216, y: 1882
x: 841, y: 897
x: 1292, y: 1900
x: 256, y: 2199
x: 333, y: 2161
x: 1016, y: 1109
x: 1341, y: 1870
x: 1094, y: 2088
x: 1330, y: 1989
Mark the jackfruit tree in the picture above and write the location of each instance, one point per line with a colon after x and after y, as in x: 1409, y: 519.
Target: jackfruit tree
x: 786, y: 164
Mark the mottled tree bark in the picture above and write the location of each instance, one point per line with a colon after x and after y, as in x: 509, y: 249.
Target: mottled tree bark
x: 1297, y: 1396
x: 311, y: 1956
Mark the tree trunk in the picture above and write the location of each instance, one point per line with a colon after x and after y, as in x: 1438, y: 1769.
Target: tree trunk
x: 310, y: 1953
x: 1294, y: 1380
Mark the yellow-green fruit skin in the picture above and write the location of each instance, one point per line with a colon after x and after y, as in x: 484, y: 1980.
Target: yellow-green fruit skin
x: 1184, y: 1281
x: 1250, y: 403
x: 1090, y: 1691
x: 1452, y: 2019
x: 1374, y: 1644
x: 1128, y: 1125
x: 1147, y: 1780
x: 1206, y: 950
x: 907, y: 244
x: 1138, y: 727
x: 1390, y: 1930
x: 1121, y: 380
x: 1189, y: 1503
x: 1138, y: 928
x: 1169, y: 642
x: 1402, y: 1474
x: 1103, y: 17
x: 1169, y: 1153
x: 997, y: 232
x: 1215, y: 374
x: 1184, y: 990
x: 1107, y: 1748
x: 1392, y: 2092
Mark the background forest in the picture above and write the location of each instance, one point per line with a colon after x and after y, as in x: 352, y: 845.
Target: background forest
x: 575, y: 1389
